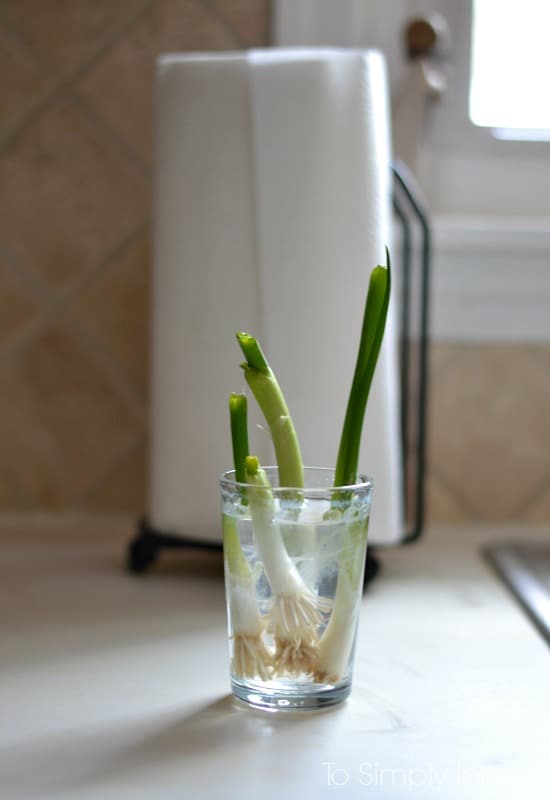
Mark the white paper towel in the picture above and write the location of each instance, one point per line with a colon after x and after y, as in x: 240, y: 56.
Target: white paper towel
x: 272, y: 206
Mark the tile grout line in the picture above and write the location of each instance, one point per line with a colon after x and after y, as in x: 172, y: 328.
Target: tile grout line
x: 10, y: 42
x: 457, y: 495
x: 87, y: 495
x: 114, y: 372
x: 67, y: 82
x: 109, y: 365
x: 23, y: 337
x: 27, y: 287
x: 10, y: 34
x: 79, y: 288
x: 524, y: 506
x: 107, y: 134
x: 52, y: 305
x: 85, y: 280
x: 224, y: 25
x: 139, y: 399
x: 27, y: 275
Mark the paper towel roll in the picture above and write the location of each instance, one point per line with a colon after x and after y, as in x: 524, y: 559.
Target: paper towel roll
x: 272, y: 206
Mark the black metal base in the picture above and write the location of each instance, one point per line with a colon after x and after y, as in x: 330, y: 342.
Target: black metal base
x: 148, y: 542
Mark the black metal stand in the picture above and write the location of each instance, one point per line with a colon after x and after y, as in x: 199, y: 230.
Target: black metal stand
x: 144, y: 548
x: 408, y: 206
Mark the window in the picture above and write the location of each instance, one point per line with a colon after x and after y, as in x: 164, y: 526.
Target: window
x: 510, y: 64
x: 487, y: 189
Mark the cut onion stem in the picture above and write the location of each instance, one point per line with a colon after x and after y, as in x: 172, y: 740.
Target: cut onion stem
x: 238, y: 414
x: 266, y: 390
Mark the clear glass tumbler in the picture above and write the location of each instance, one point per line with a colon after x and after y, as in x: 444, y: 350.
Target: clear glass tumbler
x: 294, y: 563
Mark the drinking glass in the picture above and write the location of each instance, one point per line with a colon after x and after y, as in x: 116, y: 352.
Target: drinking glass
x: 294, y: 563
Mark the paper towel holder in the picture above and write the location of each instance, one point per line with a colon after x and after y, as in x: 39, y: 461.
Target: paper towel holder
x: 409, y: 209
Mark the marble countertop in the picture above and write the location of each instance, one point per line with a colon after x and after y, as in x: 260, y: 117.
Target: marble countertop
x: 113, y: 686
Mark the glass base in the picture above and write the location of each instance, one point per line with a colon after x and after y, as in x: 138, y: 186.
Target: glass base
x: 290, y: 697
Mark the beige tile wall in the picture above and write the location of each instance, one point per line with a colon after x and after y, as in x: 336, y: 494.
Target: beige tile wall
x: 489, y: 442
x: 75, y: 180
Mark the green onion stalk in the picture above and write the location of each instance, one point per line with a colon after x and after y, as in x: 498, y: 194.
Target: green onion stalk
x: 296, y: 613
x: 337, y: 640
x: 251, y: 658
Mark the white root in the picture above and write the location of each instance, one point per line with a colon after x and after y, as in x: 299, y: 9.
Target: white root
x: 294, y: 621
x: 251, y: 658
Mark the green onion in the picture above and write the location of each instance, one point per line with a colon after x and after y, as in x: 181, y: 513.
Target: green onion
x: 294, y: 616
x: 337, y: 640
x: 266, y: 390
x: 374, y: 321
x: 251, y: 657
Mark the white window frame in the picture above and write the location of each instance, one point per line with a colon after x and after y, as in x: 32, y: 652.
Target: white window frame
x: 490, y: 199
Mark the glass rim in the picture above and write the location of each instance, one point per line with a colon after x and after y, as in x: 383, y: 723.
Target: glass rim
x: 364, y: 482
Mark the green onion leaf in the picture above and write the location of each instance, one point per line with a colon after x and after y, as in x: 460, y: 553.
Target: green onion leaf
x: 374, y: 321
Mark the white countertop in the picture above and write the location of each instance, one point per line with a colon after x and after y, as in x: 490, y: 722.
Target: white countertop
x: 113, y: 686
